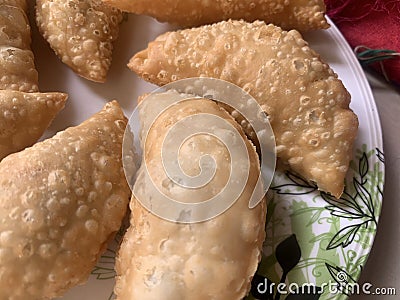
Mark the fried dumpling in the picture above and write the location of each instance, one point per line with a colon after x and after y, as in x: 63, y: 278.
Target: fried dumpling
x: 213, y: 259
x: 24, y: 112
x: 81, y: 32
x: 17, y: 66
x: 294, y: 14
x: 307, y: 104
x: 24, y: 117
x: 60, y: 202
x: 18, y: 70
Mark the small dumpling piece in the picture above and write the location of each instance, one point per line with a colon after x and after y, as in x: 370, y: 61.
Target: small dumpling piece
x: 24, y: 117
x: 303, y: 15
x: 17, y: 69
x: 213, y: 259
x: 81, y: 32
x: 17, y: 66
x: 60, y: 202
x: 307, y: 104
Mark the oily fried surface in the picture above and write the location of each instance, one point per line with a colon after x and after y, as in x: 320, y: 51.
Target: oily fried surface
x: 160, y: 259
x: 302, y: 15
x: 81, y: 32
x: 307, y: 104
x: 60, y: 201
x: 17, y: 68
x: 24, y: 117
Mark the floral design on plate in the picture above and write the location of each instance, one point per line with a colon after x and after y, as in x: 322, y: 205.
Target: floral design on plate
x: 313, y: 238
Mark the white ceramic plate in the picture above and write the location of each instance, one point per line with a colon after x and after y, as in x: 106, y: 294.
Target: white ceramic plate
x: 332, y: 238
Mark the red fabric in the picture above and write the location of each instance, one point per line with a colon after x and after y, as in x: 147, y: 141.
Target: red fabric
x: 372, y: 23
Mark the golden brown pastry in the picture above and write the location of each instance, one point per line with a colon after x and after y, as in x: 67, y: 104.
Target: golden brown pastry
x: 17, y: 67
x: 213, y: 259
x: 81, y: 32
x: 24, y: 112
x: 60, y: 201
x: 307, y: 104
x: 24, y: 117
x: 303, y: 15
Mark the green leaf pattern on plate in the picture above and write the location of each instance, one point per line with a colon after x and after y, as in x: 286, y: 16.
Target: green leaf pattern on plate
x: 335, y: 235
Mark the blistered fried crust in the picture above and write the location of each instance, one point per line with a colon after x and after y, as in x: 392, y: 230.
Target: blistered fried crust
x: 303, y: 15
x: 24, y: 113
x: 17, y: 69
x: 307, y: 104
x: 81, y: 32
x: 214, y: 259
x: 60, y: 201
x: 24, y: 117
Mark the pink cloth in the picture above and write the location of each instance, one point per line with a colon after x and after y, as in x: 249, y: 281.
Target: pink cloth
x: 372, y: 23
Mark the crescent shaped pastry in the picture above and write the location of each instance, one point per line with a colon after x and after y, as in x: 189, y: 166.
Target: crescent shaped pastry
x: 307, y: 104
x: 303, y: 15
x: 60, y: 202
x: 81, y: 32
x: 160, y: 259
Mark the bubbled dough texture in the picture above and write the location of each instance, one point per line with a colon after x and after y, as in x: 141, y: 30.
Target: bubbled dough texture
x: 81, y: 32
x: 215, y: 259
x: 24, y: 117
x: 307, y: 104
x: 18, y: 3
x: 17, y: 69
x: 60, y: 201
x: 298, y: 14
